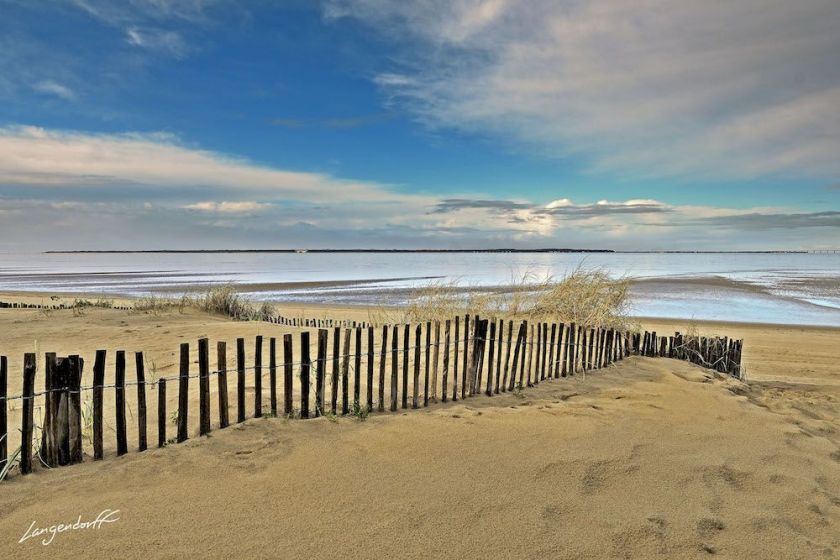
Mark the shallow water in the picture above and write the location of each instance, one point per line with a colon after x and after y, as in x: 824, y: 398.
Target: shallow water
x: 775, y: 288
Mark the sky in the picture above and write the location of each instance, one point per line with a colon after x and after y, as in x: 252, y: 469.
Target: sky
x: 644, y: 125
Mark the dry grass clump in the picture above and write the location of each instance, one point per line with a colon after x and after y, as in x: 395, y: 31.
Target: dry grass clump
x: 156, y: 304
x: 586, y: 297
x: 224, y: 299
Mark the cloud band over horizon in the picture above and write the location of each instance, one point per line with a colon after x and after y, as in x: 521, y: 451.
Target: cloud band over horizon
x: 155, y: 189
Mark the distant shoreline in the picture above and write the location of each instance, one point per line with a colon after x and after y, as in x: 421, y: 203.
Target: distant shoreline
x: 388, y: 251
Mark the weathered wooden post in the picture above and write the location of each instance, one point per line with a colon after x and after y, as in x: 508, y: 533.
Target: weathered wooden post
x: 183, y: 394
x: 406, y: 344
x: 383, y: 354
x: 161, y: 412
x: 204, y: 386
x: 369, y: 392
x: 272, y: 374
x: 4, y: 411
x: 490, y: 356
x: 140, y: 371
x: 221, y: 366
x: 455, y: 362
x: 240, y: 379
x: 305, y: 364
x: 427, y: 364
x: 357, y: 370
x: 288, y: 372
x: 119, y: 399
x: 394, y: 366
x: 321, y: 371
x: 258, y: 377
x: 345, y: 374
x: 27, y: 410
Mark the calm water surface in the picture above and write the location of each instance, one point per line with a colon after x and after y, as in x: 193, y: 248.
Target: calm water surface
x: 776, y: 288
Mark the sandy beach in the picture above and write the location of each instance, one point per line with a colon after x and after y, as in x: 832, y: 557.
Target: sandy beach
x: 647, y: 458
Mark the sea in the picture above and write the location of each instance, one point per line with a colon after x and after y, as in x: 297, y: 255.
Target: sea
x: 783, y: 288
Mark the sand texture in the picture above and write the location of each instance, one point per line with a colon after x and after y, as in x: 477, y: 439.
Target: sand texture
x: 649, y: 458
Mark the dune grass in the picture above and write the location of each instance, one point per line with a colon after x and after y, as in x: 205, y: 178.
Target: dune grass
x: 586, y: 297
x: 225, y: 299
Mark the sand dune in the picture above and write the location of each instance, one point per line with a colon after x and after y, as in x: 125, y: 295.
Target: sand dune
x: 646, y: 459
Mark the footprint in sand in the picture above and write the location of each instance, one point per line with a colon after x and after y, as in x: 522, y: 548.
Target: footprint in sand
x: 708, y: 527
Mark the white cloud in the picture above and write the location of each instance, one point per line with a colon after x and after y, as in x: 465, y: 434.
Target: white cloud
x: 48, y: 158
x: 225, y: 207
x: 49, y: 87
x: 168, y: 42
x: 653, y: 88
x: 160, y: 192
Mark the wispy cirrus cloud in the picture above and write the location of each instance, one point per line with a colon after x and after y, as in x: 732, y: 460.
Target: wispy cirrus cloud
x: 130, y: 11
x: 651, y: 88
x: 158, y: 40
x: 50, y: 87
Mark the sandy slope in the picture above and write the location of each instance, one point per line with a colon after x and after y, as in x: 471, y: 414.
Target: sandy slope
x: 651, y: 458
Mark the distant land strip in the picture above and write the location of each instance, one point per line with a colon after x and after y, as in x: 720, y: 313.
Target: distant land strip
x: 546, y: 250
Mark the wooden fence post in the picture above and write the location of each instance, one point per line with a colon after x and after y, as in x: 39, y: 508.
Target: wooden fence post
x: 321, y: 371
x: 499, y: 357
x: 520, y: 336
x: 455, y: 362
x: 508, y: 346
x: 357, y: 371
x: 428, y: 358
x: 472, y: 371
x: 119, y: 396
x: 183, y: 393
x: 530, y: 350
x: 383, y: 353
x: 161, y: 412
x: 288, y: 372
x: 489, y: 391
x: 445, y: 376
x: 98, y: 382
x: 272, y: 374
x: 240, y: 379
x: 54, y: 392
x: 304, y: 374
x: 369, y: 392
x: 406, y: 345
x: 417, y: 337
x: 27, y: 410
x: 345, y: 374
x: 570, y: 349
x: 74, y: 409
x: 435, y: 361
x: 560, y: 370
x: 335, y: 371
x: 465, y: 366
x: 204, y: 386
x: 258, y: 377
x: 551, y: 351
x: 4, y: 411
x: 394, y: 366
x: 221, y: 365
x: 140, y: 369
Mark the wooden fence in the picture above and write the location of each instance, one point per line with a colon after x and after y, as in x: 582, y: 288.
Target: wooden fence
x: 394, y: 367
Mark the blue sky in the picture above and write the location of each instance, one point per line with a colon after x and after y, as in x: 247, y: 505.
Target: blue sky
x: 210, y: 123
